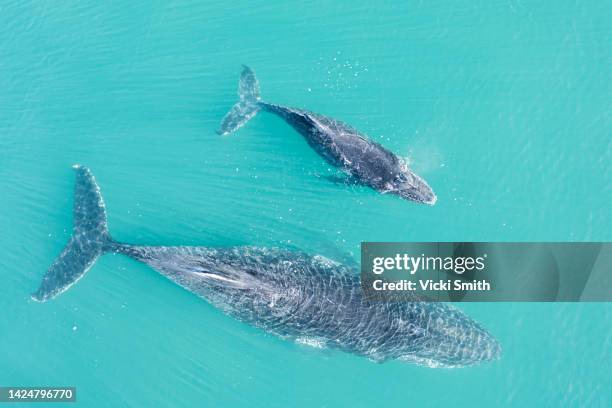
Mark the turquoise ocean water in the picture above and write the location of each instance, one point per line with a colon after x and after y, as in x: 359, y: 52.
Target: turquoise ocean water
x: 504, y: 107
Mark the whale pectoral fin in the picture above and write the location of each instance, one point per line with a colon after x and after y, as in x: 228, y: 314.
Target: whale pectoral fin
x: 376, y: 358
x: 314, y: 342
x: 336, y: 179
x: 345, y: 179
x: 388, y: 188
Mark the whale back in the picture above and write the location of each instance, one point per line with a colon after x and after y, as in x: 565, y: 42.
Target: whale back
x: 342, y: 146
x: 237, y: 279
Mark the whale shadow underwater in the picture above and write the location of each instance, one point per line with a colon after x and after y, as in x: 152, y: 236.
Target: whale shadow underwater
x: 288, y: 293
x: 364, y: 161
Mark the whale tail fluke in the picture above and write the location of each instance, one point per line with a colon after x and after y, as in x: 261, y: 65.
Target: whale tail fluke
x: 90, y: 239
x: 246, y: 107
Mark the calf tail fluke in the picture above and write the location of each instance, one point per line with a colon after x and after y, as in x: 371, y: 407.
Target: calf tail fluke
x: 90, y: 239
x: 246, y: 107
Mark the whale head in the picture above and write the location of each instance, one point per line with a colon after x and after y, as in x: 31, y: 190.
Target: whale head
x: 411, y: 187
x: 443, y: 336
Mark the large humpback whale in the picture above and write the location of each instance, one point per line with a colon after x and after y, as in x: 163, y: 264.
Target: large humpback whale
x: 339, y: 144
x: 308, y: 299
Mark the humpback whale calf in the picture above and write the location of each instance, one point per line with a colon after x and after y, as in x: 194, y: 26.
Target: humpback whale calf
x: 307, y: 299
x: 363, y: 160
